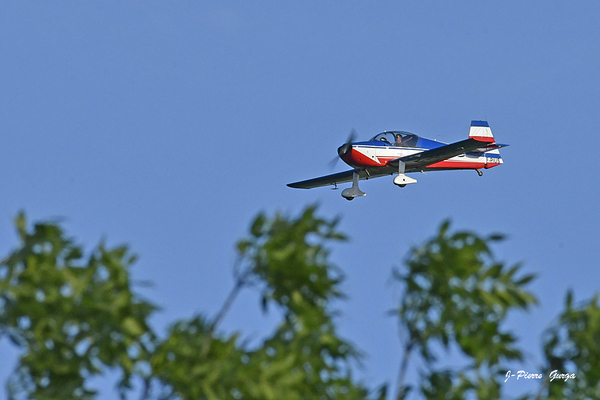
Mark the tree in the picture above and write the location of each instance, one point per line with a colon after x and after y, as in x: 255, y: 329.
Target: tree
x: 457, y: 294
x: 572, y: 351
x: 287, y: 259
x: 74, y: 317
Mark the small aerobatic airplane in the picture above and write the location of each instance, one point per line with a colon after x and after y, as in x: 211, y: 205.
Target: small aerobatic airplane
x: 398, y: 152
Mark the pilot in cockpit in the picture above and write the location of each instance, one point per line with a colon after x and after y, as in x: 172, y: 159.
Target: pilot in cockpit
x: 398, y: 140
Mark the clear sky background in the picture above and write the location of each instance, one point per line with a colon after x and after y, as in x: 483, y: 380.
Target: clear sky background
x: 169, y: 125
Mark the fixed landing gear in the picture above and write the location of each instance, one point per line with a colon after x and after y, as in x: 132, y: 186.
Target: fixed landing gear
x: 401, y: 179
x: 354, y: 191
x: 479, y: 172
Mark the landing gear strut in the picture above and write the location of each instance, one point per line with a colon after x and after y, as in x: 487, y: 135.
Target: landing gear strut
x: 479, y: 172
x: 354, y: 191
x: 401, y: 179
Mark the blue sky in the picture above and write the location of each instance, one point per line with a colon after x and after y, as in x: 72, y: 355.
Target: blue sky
x: 169, y: 125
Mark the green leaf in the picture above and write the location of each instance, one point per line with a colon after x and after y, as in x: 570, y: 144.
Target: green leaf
x: 132, y: 327
x: 526, y: 279
x: 569, y: 299
x: 258, y: 224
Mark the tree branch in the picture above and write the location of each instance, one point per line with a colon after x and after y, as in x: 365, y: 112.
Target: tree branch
x: 403, y: 368
x: 241, y: 280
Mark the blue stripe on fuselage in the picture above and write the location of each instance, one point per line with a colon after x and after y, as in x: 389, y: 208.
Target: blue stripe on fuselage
x: 429, y: 144
x: 490, y: 155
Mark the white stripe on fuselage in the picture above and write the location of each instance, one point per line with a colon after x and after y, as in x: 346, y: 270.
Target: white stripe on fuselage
x: 383, y: 154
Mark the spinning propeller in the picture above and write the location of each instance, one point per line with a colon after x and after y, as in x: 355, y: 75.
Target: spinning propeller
x: 344, y: 149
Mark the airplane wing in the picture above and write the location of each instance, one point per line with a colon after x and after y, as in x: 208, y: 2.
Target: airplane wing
x: 415, y: 162
x: 342, y: 177
x: 333, y: 179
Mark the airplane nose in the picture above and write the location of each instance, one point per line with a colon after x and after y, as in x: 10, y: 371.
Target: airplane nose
x: 347, y: 147
x: 344, y: 149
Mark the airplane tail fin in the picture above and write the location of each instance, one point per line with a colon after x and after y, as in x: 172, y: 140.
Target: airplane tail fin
x: 480, y: 130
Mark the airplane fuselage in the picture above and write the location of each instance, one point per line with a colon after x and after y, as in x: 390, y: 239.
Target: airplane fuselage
x: 378, y: 154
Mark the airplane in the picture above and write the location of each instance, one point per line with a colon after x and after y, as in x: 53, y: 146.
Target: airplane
x: 399, y: 152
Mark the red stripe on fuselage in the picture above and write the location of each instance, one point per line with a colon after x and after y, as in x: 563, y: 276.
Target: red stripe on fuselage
x: 461, y: 165
x: 357, y: 159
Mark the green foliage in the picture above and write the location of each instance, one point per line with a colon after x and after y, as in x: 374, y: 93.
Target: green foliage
x: 72, y: 317
x: 288, y: 260
x: 456, y: 293
x: 572, y: 348
x: 193, y: 373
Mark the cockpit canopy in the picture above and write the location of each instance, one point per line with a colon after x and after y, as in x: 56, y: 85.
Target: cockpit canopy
x: 397, y: 138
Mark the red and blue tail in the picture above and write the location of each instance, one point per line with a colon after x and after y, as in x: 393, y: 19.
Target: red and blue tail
x: 480, y: 130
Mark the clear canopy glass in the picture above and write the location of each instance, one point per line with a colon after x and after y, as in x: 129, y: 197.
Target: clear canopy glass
x: 397, y: 138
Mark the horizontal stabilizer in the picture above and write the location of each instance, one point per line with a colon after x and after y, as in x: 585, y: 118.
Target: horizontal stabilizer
x: 489, y: 147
